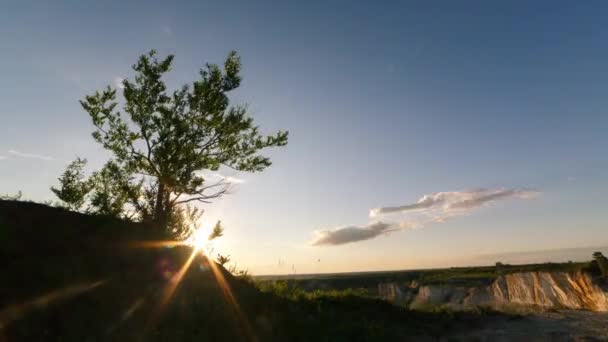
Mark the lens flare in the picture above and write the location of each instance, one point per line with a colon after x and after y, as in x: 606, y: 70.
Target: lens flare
x: 200, y: 240
x: 15, y: 312
x: 176, y: 279
x: 232, y: 301
x: 156, y: 244
x: 201, y: 245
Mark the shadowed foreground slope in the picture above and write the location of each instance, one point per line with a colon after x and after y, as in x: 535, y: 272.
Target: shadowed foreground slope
x: 75, y: 277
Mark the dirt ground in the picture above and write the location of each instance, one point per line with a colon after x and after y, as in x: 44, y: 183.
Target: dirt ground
x: 562, y: 325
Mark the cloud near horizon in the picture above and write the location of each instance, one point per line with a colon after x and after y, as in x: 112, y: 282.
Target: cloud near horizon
x: 348, y: 234
x: 30, y: 155
x: 432, y: 208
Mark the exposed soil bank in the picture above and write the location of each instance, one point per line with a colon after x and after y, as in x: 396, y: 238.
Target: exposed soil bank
x: 554, y: 290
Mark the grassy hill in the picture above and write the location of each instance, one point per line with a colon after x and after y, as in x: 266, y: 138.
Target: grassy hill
x: 73, y: 277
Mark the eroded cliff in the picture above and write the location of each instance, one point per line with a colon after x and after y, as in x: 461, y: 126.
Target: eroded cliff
x: 571, y: 290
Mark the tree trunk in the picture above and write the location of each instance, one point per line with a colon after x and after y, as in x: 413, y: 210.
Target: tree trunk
x: 160, y: 214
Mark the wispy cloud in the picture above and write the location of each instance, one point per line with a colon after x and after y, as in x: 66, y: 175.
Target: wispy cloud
x: 234, y: 180
x: 2, y: 157
x: 342, y: 235
x: 432, y: 208
x: 455, y: 202
x: 118, y: 82
x: 228, y: 179
x: 30, y: 155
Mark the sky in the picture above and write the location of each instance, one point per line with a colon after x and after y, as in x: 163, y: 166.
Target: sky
x: 422, y: 134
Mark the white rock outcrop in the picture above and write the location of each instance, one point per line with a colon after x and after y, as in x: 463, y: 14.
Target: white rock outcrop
x: 571, y: 290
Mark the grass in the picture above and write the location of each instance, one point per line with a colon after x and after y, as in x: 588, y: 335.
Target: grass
x: 455, y: 276
x: 47, y: 252
x: 284, y: 289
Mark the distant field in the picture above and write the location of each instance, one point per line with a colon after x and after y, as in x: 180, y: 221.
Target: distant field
x: 464, y: 276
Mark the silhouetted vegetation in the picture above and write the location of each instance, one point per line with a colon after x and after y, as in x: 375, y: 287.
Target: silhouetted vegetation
x: 223, y: 259
x: 161, y: 143
x: 77, y: 277
x: 602, y: 263
x: 74, y: 185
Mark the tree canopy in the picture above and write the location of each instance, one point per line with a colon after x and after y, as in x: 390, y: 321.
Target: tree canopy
x: 162, y: 142
x: 74, y: 185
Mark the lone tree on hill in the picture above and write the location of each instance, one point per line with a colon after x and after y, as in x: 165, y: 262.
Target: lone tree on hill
x: 162, y: 141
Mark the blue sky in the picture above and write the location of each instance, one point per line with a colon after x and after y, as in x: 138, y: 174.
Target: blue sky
x: 384, y: 104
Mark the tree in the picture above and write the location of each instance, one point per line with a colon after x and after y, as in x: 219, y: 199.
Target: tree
x: 74, y: 187
x: 182, y: 221
x: 163, y: 141
x: 602, y: 263
x: 111, y: 191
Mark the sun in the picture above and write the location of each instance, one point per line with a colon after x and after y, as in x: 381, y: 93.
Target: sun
x: 200, y: 239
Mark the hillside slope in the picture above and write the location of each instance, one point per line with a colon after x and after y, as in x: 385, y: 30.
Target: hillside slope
x: 75, y: 277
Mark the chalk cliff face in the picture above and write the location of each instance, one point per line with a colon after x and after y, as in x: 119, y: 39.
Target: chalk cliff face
x: 567, y: 290
x: 574, y: 290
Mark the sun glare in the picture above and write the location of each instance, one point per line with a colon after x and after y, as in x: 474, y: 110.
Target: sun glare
x: 200, y: 239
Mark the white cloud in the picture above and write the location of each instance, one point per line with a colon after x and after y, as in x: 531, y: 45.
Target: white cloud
x: 234, y: 180
x: 432, y: 208
x: 30, y: 155
x: 228, y: 179
x: 343, y: 235
x: 455, y: 202
x: 118, y: 82
x: 2, y: 157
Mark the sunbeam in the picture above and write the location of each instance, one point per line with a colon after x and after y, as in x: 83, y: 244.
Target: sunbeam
x: 157, y: 244
x: 126, y: 314
x: 199, y: 243
x: 171, y: 287
x: 231, y: 299
x: 15, y: 312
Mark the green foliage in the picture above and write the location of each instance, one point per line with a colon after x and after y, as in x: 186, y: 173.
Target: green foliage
x: 292, y: 291
x: 73, y: 185
x: 106, y: 192
x: 461, y: 276
x: 182, y: 221
x: 111, y: 190
x: 170, y: 137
